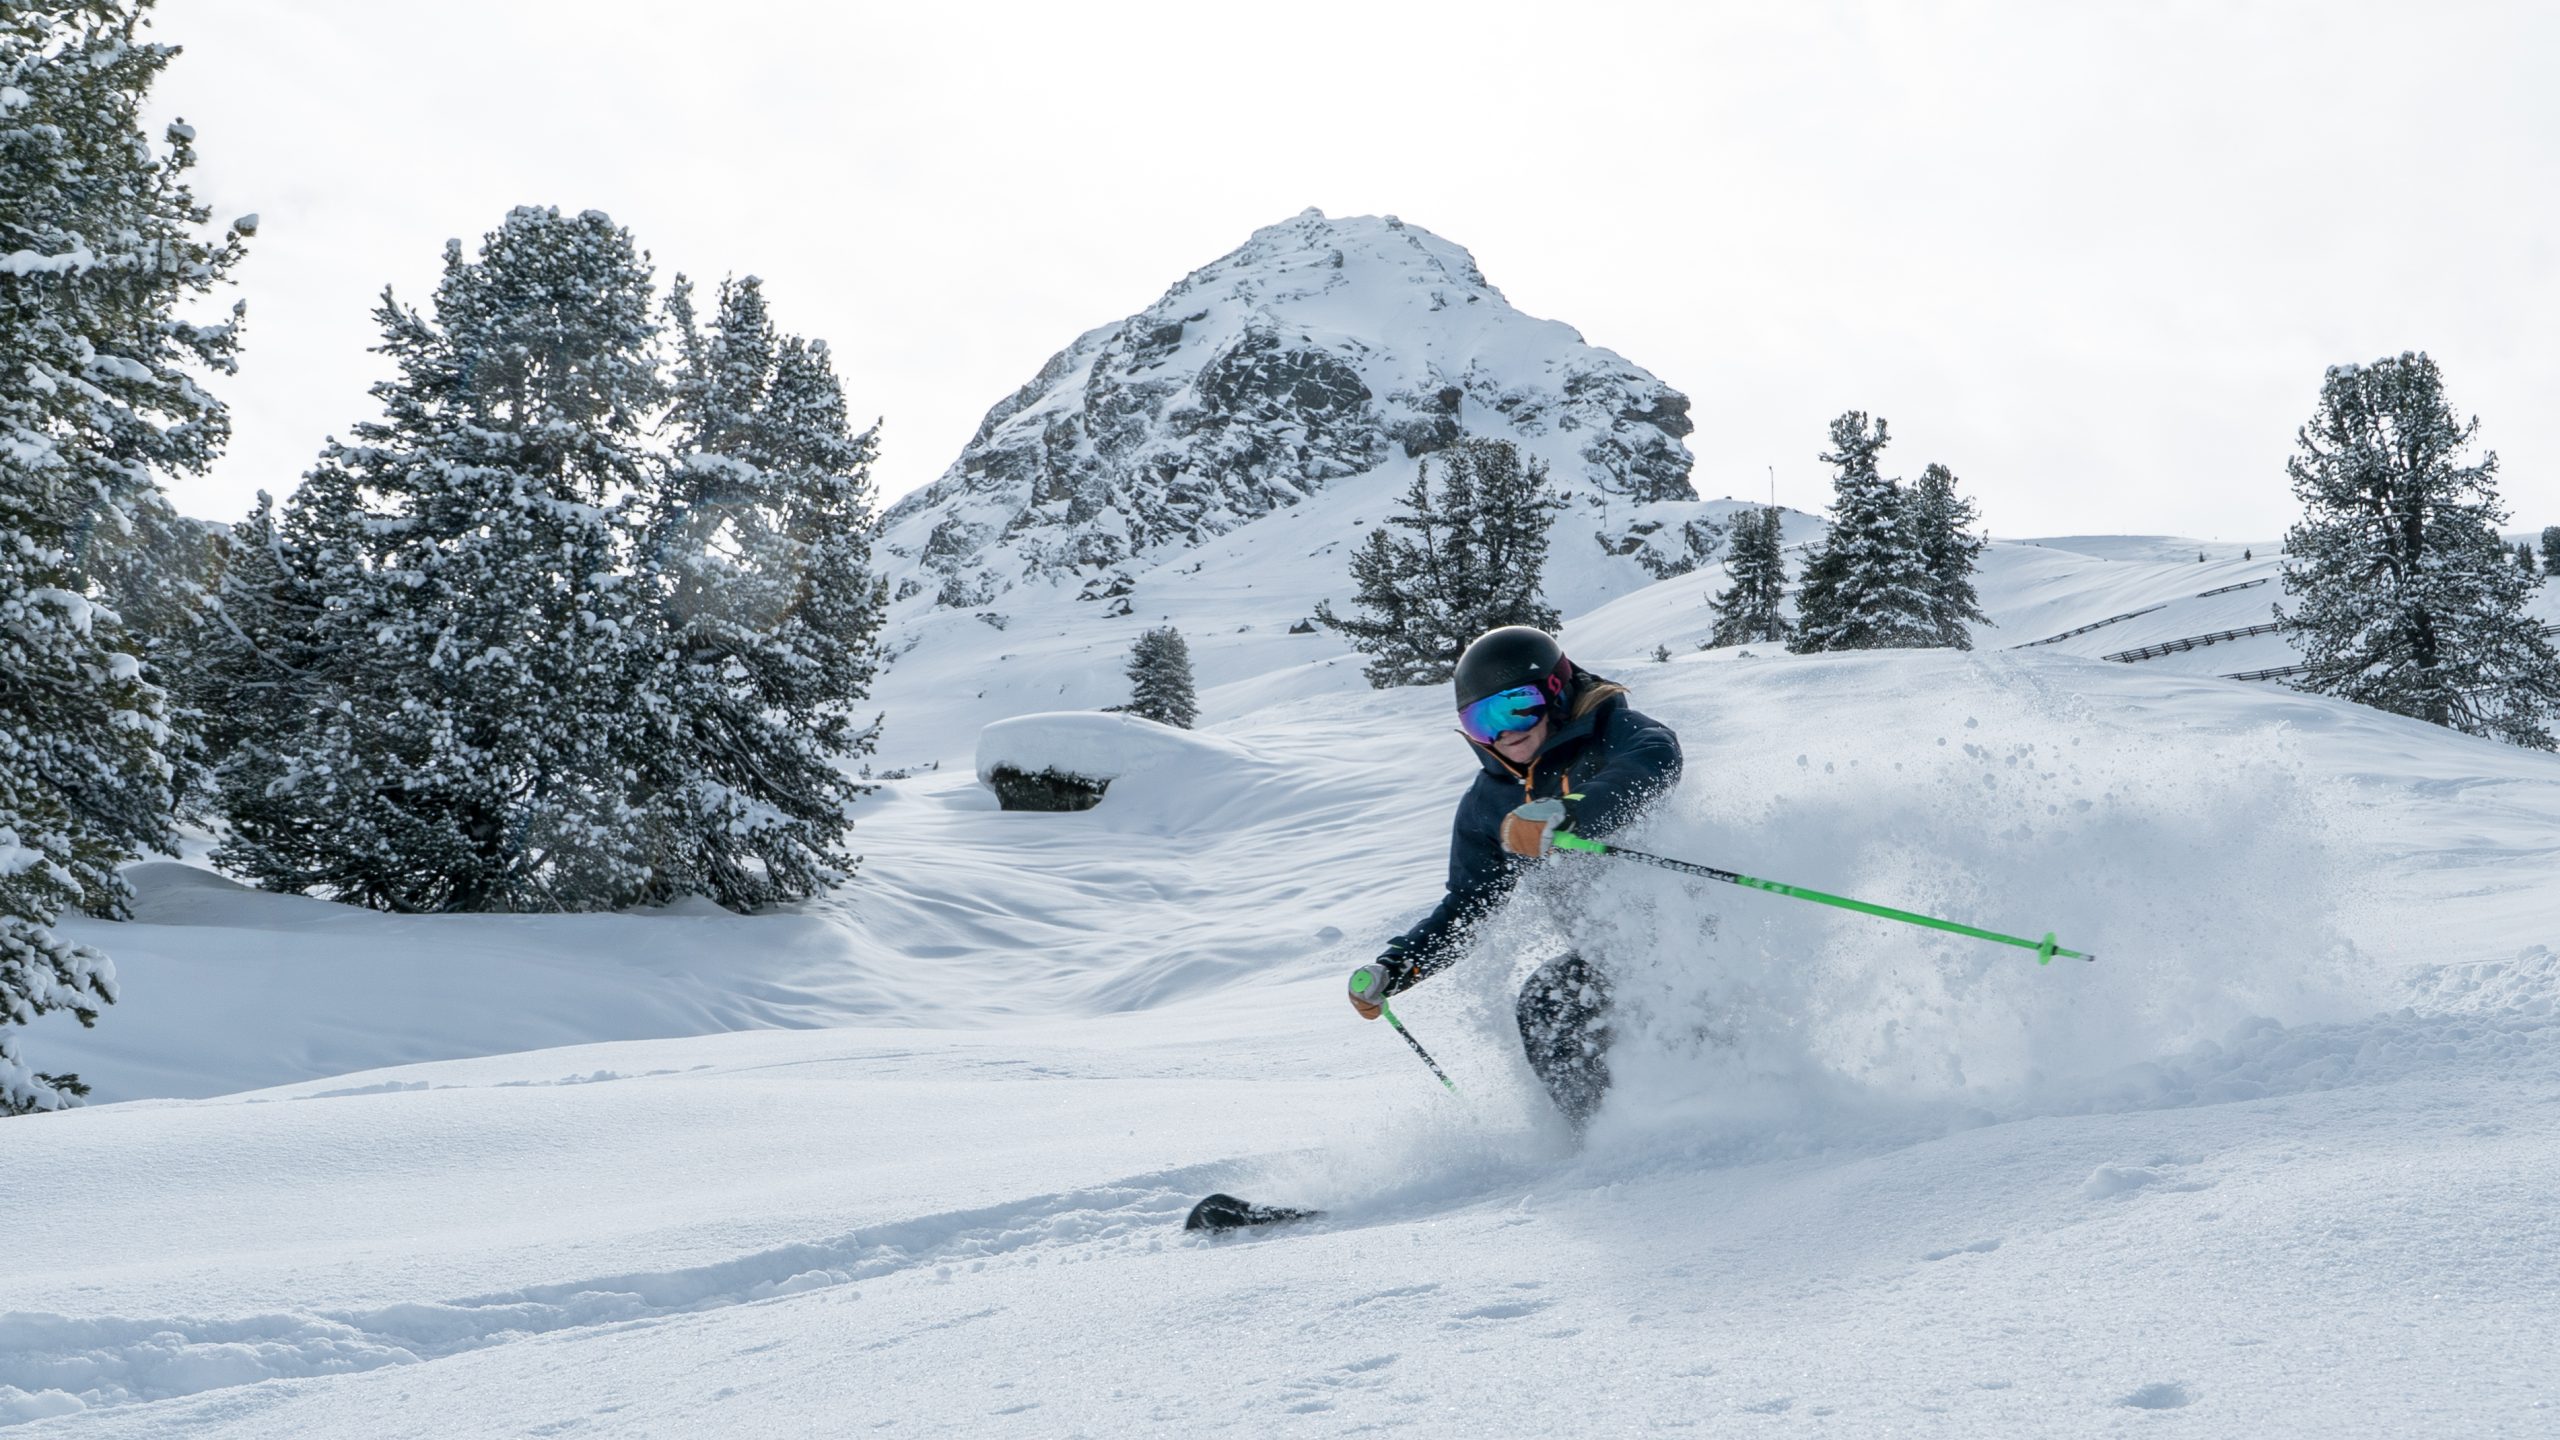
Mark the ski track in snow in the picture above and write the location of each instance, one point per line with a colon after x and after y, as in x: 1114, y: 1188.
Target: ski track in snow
x: 115, y: 1361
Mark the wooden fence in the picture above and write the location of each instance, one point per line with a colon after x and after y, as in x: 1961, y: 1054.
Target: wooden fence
x: 2192, y: 642
x: 2131, y: 614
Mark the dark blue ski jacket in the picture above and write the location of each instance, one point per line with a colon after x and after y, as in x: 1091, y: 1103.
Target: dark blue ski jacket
x: 1606, y: 765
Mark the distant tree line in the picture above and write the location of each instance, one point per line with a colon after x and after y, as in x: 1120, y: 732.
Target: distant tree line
x: 1893, y: 571
x: 2403, y: 594
x: 1468, y: 554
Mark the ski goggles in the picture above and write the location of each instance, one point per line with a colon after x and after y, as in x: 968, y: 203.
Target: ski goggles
x: 1503, y: 712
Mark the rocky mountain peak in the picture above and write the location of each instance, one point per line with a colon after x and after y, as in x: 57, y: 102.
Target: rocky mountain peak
x: 1319, y: 350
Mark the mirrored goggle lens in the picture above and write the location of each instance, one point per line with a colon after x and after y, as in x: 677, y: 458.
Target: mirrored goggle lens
x: 1501, y: 713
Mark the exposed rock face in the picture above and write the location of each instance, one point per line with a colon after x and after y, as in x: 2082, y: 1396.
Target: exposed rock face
x: 1051, y: 790
x: 1320, y: 349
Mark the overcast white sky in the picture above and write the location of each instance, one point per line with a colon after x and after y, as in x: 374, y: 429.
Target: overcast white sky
x: 2093, y: 256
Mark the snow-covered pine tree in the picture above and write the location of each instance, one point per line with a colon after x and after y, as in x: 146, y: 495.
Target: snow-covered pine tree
x: 1475, y: 561
x: 756, y: 551
x: 1752, y: 610
x: 101, y: 244
x: 471, y: 737
x: 1389, y: 624
x: 2525, y: 562
x: 2407, y: 599
x: 1868, y: 587
x: 1401, y: 625
x: 1160, y: 679
x: 1500, y: 558
x: 1948, y: 551
x: 2551, y: 549
x: 158, y: 576
x: 258, y: 641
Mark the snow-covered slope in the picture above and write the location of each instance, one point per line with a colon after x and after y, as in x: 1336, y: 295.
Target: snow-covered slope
x: 1319, y: 352
x: 2278, y: 1164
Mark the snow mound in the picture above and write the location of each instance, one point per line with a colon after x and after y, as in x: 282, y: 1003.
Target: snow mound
x: 1094, y: 746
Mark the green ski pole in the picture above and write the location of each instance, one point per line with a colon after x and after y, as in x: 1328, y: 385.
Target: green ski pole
x: 2045, y: 949
x: 1418, y: 1050
x: 1367, y: 978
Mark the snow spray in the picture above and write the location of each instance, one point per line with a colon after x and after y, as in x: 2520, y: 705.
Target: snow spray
x: 2045, y: 949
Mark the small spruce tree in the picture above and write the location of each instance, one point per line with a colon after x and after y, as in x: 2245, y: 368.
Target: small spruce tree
x: 1948, y: 551
x: 1472, y: 559
x: 1160, y: 680
x: 2405, y: 597
x: 1868, y: 587
x: 2525, y: 561
x: 2551, y: 549
x: 101, y: 246
x: 1752, y: 610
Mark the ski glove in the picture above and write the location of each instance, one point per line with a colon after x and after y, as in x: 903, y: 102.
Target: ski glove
x: 1530, y: 831
x: 1372, y: 983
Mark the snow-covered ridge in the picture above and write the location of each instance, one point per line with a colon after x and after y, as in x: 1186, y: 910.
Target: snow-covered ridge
x: 1319, y: 350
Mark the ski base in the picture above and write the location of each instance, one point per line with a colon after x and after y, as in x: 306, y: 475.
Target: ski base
x: 1226, y: 1212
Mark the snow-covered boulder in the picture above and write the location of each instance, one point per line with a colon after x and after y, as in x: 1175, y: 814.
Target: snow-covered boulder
x: 1065, y: 760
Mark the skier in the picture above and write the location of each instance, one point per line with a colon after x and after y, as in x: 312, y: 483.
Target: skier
x: 1560, y: 749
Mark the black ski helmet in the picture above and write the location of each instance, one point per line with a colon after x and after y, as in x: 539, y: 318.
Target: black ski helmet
x: 1497, y: 660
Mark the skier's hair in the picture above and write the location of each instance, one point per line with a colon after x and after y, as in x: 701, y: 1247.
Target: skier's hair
x: 1589, y: 691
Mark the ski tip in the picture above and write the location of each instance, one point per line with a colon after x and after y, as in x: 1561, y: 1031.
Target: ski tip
x: 1226, y: 1212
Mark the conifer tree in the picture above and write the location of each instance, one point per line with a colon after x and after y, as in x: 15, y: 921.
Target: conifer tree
x: 2551, y: 549
x: 2407, y: 599
x: 1389, y: 625
x: 1160, y: 679
x: 2525, y: 562
x: 1472, y: 559
x: 252, y: 646
x: 1752, y: 608
x: 1868, y: 587
x: 1949, y: 549
x: 756, y: 552
x: 101, y: 244
x: 158, y: 575
x: 467, y: 739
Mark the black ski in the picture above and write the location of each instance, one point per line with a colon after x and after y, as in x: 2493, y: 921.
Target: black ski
x: 1226, y: 1212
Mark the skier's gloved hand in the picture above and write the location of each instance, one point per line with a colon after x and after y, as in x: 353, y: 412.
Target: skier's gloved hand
x: 1530, y: 831
x: 1372, y: 983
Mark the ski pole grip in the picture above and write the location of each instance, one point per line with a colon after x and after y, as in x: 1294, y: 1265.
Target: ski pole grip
x: 1567, y: 840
